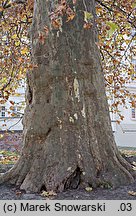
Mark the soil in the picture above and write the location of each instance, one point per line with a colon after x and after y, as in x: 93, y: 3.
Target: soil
x: 10, y: 192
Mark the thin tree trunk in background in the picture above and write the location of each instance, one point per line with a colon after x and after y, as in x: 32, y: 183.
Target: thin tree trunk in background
x: 68, y: 139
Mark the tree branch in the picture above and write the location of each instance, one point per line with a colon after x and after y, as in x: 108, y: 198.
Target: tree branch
x: 102, y: 4
x: 15, y: 123
x: 6, y: 5
x: 120, y: 9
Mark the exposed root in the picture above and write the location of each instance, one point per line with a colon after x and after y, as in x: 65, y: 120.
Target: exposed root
x: 127, y: 165
x: 29, y: 177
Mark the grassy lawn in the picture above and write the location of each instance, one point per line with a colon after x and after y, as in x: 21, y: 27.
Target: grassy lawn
x: 8, y: 157
x: 128, y: 151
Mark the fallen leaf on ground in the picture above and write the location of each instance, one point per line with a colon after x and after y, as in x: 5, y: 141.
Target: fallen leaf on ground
x: 88, y: 189
x: 132, y: 193
x: 48, y: 193
x: 18, y: 193
x: 1, y: 135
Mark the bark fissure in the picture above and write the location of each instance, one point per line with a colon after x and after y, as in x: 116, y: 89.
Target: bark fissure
x: 48, y: 132
x: 73, y: 181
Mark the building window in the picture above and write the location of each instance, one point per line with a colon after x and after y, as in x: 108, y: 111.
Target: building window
x: 2, y: 114
x: 3, y: 108
x: 134, y: 64
x: 16, y: 111
x: 133, y: 113
x: 3, y: 111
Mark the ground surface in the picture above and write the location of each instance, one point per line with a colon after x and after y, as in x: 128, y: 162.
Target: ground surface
x: 12, y: 193
x: 11, y: 141
x: 9, y: 153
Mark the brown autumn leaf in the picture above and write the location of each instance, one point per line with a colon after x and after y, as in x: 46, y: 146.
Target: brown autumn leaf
x: 12, y: 102
x: 11, y: 108
x: 48, y: 193
x: 13, y: 114
x: 87, y: 25
x: 1, y: 8
x: 70, y: 17
x: 133, y: 103
x: 117, y: 121
x: 121, y: 117
x: 132, y: 193
x: 56, y: 23
x: 18, y: 193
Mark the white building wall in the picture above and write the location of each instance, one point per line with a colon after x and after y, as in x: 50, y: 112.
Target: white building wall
x: 11, y: 112
x: 12, y: 124
x: 125, y: 132
x: 125, y: 139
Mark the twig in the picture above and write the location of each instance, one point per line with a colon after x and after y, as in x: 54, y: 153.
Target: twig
x: 15, y: 123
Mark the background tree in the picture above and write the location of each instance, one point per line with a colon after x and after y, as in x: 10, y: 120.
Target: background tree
x: 115, y: 21
x: 68, y: 139
x: 117, y: 33
x: 15, y: 18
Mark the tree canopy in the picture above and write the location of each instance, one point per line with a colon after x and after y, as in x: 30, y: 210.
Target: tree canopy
x: 116, y: 26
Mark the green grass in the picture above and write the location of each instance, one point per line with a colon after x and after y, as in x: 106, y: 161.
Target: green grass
x: 8, y: 157
x: 128, y: 151
x: 11, y: 157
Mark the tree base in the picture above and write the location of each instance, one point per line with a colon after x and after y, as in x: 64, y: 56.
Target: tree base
x: 117, y: 172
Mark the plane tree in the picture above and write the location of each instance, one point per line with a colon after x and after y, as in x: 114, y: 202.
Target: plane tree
x: 68, y: 139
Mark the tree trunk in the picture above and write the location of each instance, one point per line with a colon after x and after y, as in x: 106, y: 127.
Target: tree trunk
x: 68, y: 139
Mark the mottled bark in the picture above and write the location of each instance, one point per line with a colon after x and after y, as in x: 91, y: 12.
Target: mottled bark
x: 68, y: 140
